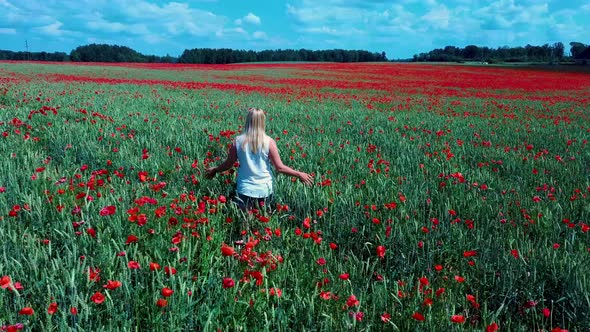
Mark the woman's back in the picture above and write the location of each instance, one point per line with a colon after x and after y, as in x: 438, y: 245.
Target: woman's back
x: 254, y: 174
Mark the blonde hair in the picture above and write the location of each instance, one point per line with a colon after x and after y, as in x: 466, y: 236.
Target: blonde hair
x: 254, y: 131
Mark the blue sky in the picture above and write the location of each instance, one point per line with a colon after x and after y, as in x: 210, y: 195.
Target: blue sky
x: 401, y: 28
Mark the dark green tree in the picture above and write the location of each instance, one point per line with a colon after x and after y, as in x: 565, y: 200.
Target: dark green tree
x: 577, y: 48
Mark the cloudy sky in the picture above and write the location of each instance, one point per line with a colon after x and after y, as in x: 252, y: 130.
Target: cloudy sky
x: 401, y: 28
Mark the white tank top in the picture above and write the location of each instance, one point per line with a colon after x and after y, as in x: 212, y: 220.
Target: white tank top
x: 254, y: 174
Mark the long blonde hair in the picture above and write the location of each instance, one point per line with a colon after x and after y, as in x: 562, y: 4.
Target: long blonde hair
x: 255, y: 129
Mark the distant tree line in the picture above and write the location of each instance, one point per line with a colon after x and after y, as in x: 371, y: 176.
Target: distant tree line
x: 88, y: 53
x: 528, y: 53
x: 226, y: 55
x: 113, y: 53
x: 116, y: 53
x: 33, y: 56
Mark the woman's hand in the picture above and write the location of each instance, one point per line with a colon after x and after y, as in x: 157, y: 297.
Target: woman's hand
x: 210, y: 172
x: 307, y: 179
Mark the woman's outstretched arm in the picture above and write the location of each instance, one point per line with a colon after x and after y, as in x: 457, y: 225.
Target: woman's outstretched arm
x: 232, y: 156
x: 275, y: 159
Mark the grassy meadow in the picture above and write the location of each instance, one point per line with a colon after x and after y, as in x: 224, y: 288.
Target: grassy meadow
x: 446, y: 198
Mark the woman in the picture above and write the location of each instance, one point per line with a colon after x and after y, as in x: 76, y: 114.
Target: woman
x: 255, y: 151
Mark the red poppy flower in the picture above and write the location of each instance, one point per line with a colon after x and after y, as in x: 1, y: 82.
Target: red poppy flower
x: 424, y: 281
x: 275, y: 292
x: 418, y: 316
x: 380, y: 251
x: 154, y: 266
x: 459, y: 279
x: 28, y: 311
x: 112, y: 284
x: 227, y: 250
x: 93, y: 274
x: 352, y: 301
x: 52, y: 308
x: 344, y: 276
x: 161, y: 303
x: 307, y: 223
x: 558, y: 329
x: 458, y: 319
x: 133, y: 265
x: 91, y: 232
x: 74, y: 311
x: 143, y: 176
x: 97, y: 298
x: 166, y: 292
x: 469, y: 253
x: 546, y: 312
x: 131, y: 238
x: 5, y: 282
x: 228, y: 283
x: 108, y: 210
x: 169, y: 270
x: 141, y: 219
x: 16, y: 286
x: 492, y: 327
x: 357, y: 315
x: 385, y: 317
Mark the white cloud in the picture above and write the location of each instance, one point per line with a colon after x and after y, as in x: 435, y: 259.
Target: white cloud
x: 259, y: 35
x: 438, y: 17
x: 323, y: 29
x: 7, y: 31
x: 505, y: 14
x: 311, y: 12
x: 153, y: 38
x: 98, y: 23
x: 178, y: 18
x: 52, y: 29
x: 252, y: 19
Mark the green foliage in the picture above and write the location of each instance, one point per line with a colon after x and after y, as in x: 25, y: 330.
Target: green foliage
x: 33, y: 56
x: 385, y: 176
x: 111, y: 53
x: 528, y: 53
x: 224, y: 55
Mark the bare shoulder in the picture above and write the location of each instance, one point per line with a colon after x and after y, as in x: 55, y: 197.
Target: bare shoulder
x: 271, y: 143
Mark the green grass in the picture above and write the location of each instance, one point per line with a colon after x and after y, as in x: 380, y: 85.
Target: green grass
x: 416, y: 154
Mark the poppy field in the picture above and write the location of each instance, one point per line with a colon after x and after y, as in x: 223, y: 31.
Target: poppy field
x: 446, y: 198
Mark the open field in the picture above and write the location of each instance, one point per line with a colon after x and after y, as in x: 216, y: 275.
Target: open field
x: 447, y: 198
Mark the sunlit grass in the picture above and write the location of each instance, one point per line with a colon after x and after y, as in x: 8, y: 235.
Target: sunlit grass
x: 481, y: 208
